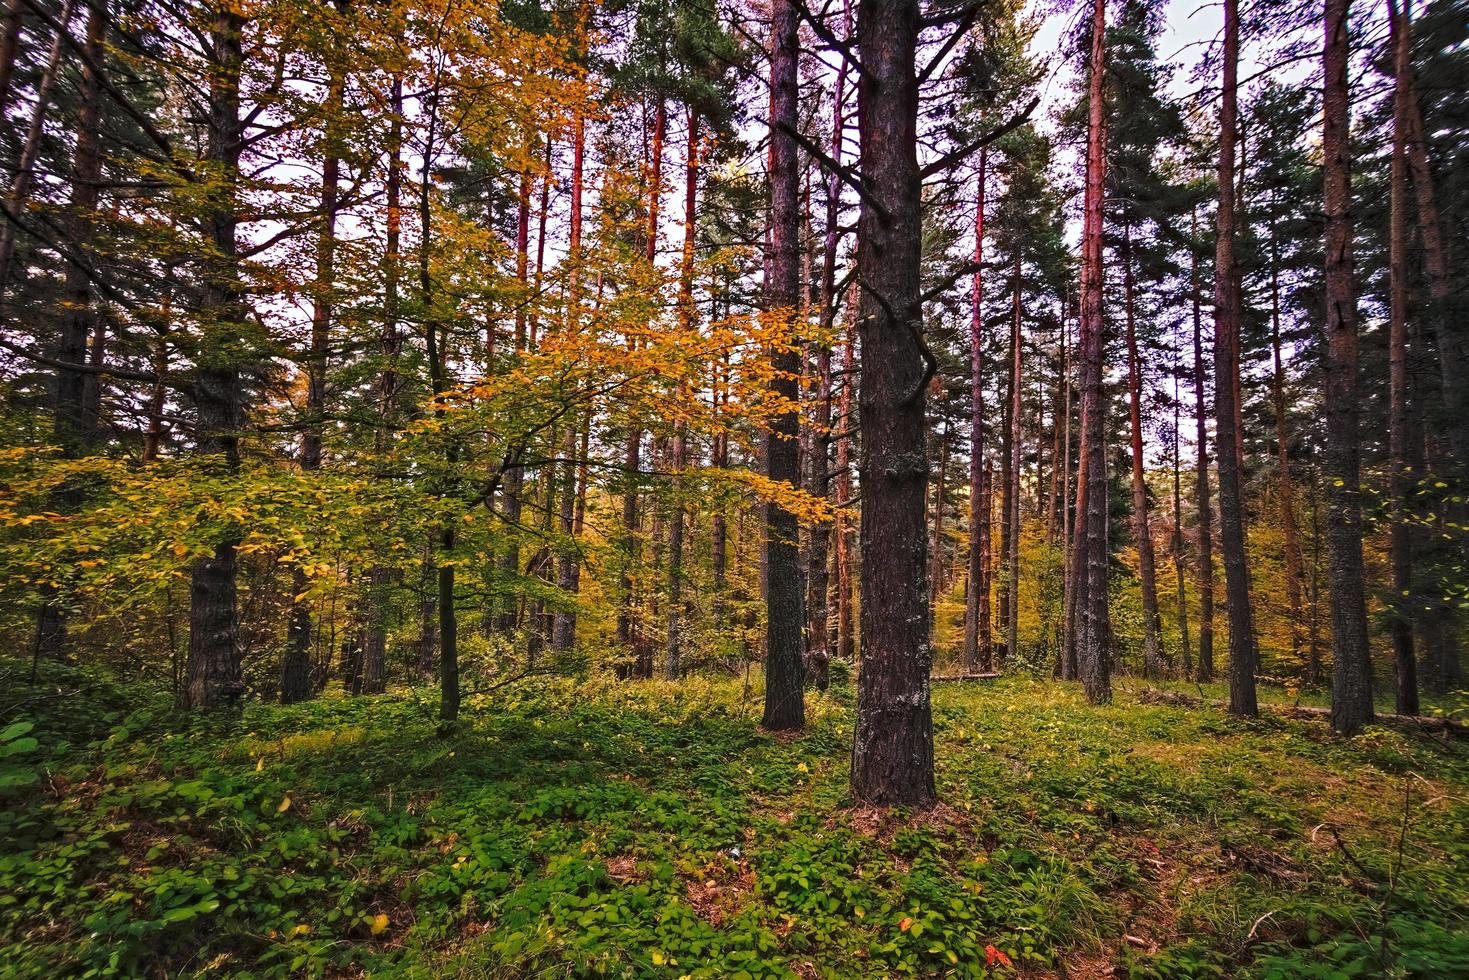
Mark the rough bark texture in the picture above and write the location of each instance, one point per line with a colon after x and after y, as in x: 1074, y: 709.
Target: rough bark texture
x: 1090, y: 550
x: 892, y: 757
x: 785, y: 706
x: 846, y: 632
x: 1226, y: 391
x: 212, y: 673
x: 1351, y: 675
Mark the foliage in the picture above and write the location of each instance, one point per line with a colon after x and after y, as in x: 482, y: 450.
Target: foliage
x: 649, y: 829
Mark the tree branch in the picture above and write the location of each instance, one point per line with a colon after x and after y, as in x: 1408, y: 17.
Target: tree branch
x: 955, y: 156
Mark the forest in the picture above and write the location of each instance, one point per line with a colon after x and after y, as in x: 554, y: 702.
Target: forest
x: 734, y: 488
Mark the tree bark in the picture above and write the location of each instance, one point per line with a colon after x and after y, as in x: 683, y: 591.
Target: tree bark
x: 1242, y: 665
x: 1401, y: 626
x: 846, y: 632
x: 1090, y: 550
x: 975, y: 653
x: 1351, y: 676
x: 1201, y: 486
x: 785, y: 707
x: 892, y: 758
x: 212, y: 672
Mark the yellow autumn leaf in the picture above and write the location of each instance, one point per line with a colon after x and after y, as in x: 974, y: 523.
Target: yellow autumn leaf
x: 285, y: 805
x: 260, y: 763
x: 378, y: 923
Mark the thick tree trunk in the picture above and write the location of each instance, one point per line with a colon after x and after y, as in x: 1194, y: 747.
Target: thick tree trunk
x: 212, y: 673
x: 785, y: 707
x: 10, y: 29
x: 1094, y: 654
x: 1242, y: 699
x: 974, y: 653
x: 1142, y: 526
x: 1351, y: 676
x: 1437, y: 624
x: 892, y: 759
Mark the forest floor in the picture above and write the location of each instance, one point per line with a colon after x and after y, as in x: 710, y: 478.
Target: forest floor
x: 650, y: 829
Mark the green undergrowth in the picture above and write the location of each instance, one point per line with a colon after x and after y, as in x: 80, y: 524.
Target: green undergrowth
x: 644, y: 830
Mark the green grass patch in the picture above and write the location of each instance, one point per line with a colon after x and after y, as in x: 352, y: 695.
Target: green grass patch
x: 644, y: 830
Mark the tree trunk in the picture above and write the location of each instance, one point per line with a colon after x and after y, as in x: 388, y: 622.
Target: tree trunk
x: 1142, y: 526
x: 25, y: 165
x: 568, y: 564
x: 1282, y: 445
x: 892, y: 758
x: 9, y: 46
x: 846, y: 633
x: 936, y: 567
x: 972, y: 655
x: 1201, y: 465
x: 75, y: 427
x: 1242, y: 699
x: 1012, y: 552
x: 1401, y: 627
x: 785, y: 708
x: 1184, y: 644
x: 296, y: 661
x: 1351, y: 676
x: 212, y: 672
x: 1094, y: 655
x: 680, y: 438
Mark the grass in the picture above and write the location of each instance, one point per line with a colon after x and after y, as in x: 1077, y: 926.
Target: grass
x: 643, y: 830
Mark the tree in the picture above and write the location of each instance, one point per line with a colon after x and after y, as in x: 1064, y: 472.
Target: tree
x: 1351, y: 676
x: 1242, y: 651
x: 892, y: 756
x: 784, y: 672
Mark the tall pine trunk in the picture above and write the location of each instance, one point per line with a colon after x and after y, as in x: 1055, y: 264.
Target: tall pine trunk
x: 1090, y: 548
x: 1201, y: 469
x: 892, y: 758
x: 212, y: 672
x: 976, y: 647
x: 1142, y: 527
x: 785, y: 706
x: 1351, y: 676
x: 1242, y: 700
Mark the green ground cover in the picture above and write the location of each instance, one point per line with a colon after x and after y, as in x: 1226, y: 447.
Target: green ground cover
x: 644, y: 830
